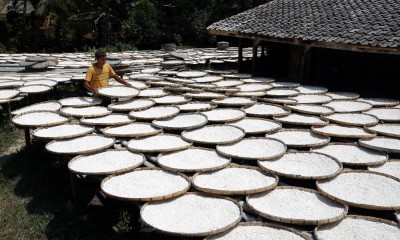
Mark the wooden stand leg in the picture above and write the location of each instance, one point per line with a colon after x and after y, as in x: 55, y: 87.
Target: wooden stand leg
x: 9, y: 111
x: 27, y: 137
x: 74, y: 198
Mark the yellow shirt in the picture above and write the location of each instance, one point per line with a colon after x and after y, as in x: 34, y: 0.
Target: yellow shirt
x: 98, y: 77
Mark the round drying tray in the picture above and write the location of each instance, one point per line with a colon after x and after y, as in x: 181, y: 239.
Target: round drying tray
x: 201, y: 85
x: 119, y: 92
x: 227, y: 90
x: 237, y: 75
x: 196, y: 106
x: 285, y: 84
x: 295, y: 205
x: 386, y: 129
x: 208, y: 79
x: 301, y: 119
x: 145, y: 184
x: 155, y: 113
x: 192, y: 215
x: 80, y: 101
x: 191, y: 74
x: 312, y: 99
x: 256, y: 125
x: 133, y: 130
x: 354, y: 227
x: 220, y: 72
x: 180, y: 80
x: 235, y: 180
x: 385, y: 114
x: 342, y: 106
x: 352, y: 154
x: 303, y: 165
x: 352, y: 119
x: 172, y: 99
x: 182, y: 121
x: 343, y: 95
x: 311, y: 109
x: 109, y: 120
x: 386, y: 144
x: 34, y: 89
x: 248, y: 94
x: 132, y: 105
x: 205, y: 95
x: 85, y: 112
x: 266, y: 110
x: 332, y: 130
x: 163, y: 84
x: 391, y: 167
x: 304, y: 89
x: 153, y: 93
x: 223, y: 115
x: 363, y: 189
x: 158, y: 143
x: 258, y: 80
x: 193, y: 159
x: 253, y: 149
x: 214, y: 134
x: 300, y: 138
x: 39, y: 119
x: 8, y: 94
x: 380, y: 102
x: 254, y: 87
x: 234, y: 102
x: 11, y: 84
x: 81, y: 145
x: 139, y: 85
x: 52, y: 106
x: 112, y: 161
x: 282, y: 93
x: 282, y: 101
x: 260, y: 231
x: 60, y: 132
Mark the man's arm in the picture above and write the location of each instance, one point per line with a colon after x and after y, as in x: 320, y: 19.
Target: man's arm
x: 90, y: 88
x: 120, y: 80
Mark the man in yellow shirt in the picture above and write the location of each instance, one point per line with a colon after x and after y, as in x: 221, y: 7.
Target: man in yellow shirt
x: 98, y: 74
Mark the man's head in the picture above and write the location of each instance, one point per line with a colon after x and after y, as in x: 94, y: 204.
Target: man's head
x: 100, y: 57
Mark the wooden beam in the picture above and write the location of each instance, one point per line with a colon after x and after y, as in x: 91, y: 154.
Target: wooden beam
x: 240, y: 55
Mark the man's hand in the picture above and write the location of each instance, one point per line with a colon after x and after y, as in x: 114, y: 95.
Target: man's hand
x: 95, y: 92
x: 128, y: 84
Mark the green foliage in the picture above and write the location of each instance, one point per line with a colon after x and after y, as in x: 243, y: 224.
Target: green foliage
x: 3, y: 48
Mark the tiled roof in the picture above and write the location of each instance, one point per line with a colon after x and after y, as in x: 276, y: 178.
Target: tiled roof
x: 357, y: 22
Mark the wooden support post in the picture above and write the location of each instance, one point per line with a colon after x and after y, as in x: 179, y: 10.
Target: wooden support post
x: 262, y: 51
x: 306, y: 78
x: 74, y: 196
x: 9, y: 111
x: 27, y: 137
x: 240, y: 55
x: 254, y: 60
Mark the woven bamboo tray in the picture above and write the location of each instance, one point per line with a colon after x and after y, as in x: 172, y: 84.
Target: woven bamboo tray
x: 228, y: 83
x: 386, y: 129
x: 391, y: 167
x: 364, y: 190
x: 226, y: 90
x: 205, y: 95
x: 219, y: 72
x: 333, y: 217
x: 385, y: 114
x: 204, y: 86
x: 294, y: 169
x: 85, y: 112
x: 253, y: 125
x: 153, y: 93
x: 80, y: 101
x: 285, y: 84
x: 352, y: 119
x: 153, y: 143
x: 301, y: 119
x: 199, y: 210
x: 311, y: 109
x: 348, y: 106
x: 93, y: 161
x: 266, y: 110
x: 351, y: 154
x: 34, y: 89
x: 193, y: 159
x: 39, y: 119
x: 210, y: 135
x: 356, y: 231
x: 282, y: 101
x: 208, y: 79
x: 109, y: 120
x: 11, y: 84
x: 66, y: 132
x: 380, y: 102
x: 343, y: 95
x: 245, y: 230
x: 191, y: 74
x: 172, y: 99
x: 163, y: 84
x: 133, y: 130
x: 46, y: 82
x: 119, y: 92
x: 155, y: 113
x: 254, y: 149
x: 139, y: 184
x: 332, y: 130
x: 282, y: 93
x: 182, y: 122
x: 258, y: 80
x: 78, y: 147
x: 386, y: 144
x: 300, y: 138
x: 304, y: 89
x: 254, y: 87
x: 9, y: 93
x: 180, y: 80
x: 132, y: 105
x: 235, y: 179
x: 224, y: 115
x: 312, y: 99
x: 196, y: 106
x: 52, y: 106
x: 248, y: 94
x: 237, y: 75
